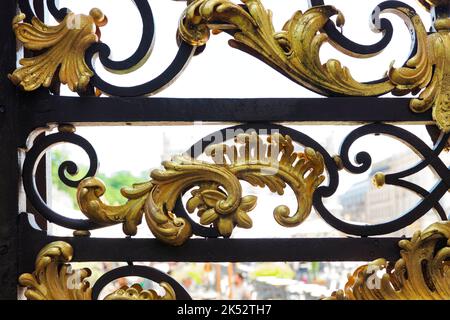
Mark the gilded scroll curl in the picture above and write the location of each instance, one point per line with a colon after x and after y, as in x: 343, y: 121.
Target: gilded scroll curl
x: 217, y: 191
x: 91, y: 189
x: 295, y: 51
x: 423, y: 272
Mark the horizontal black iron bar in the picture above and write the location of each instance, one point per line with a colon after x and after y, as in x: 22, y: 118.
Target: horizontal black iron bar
x: 239, y: 250
x: 90, y: 109
x: 55, y: 109
x: 211, y: 250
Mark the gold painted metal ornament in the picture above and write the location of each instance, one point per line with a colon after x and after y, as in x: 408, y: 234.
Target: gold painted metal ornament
x: 422, y: 273
x: 64, y: 45
x: 54, y: 279
x: 436, y: 94
x: 218, y: 195
x: 295, y: 51
x: 428, y: 4
x: 136, y: 292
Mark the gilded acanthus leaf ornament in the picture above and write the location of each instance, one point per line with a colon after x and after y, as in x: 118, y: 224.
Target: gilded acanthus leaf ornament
x: 433, y: 3
x: 53, y: 278
x: 274, y: 164
x: 136, y: 292
x: 422, y: 273
x: 295, y: 51
x: 217, y: 192
x: 437, y: 91
x: 64, y: 46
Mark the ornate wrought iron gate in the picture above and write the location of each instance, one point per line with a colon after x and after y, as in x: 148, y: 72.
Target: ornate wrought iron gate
x: 65, y: 53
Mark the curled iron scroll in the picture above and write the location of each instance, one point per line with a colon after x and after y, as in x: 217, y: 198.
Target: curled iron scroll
x: 377, y: 24
x: 184, y: 54
x: 186, y: 50
x: 30, y: 164
x: 133, y: 62
x: 384, y: 27
x: 430, y: 200
x: 430, y: 157
x: 139, y: 271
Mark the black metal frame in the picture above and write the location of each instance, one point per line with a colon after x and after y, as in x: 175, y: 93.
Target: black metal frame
x: 21, y: 113
x: 9, y: 164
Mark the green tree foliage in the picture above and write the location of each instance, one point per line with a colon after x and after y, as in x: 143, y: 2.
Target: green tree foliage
x: 270, y: 269
x: 113, y: 183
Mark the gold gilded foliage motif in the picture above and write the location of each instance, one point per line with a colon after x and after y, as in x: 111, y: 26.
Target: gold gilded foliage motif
x: 54, y: 279
x: 64, y: 46
x: 295, y: 51
x: 217, y: 192
x: 422, y: 272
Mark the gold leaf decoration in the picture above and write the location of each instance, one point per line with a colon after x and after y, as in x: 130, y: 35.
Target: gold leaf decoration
x: 88, y: 197
x: 423, y: 272
x: 218, y: 198
x: 136, y: 292
x: 53, y: 278
x: 64, y: 45
x: 274, y: 164
x: 295, y: 51
x: 205, y: 199
x: 433, y: 3
x: 436, y: 94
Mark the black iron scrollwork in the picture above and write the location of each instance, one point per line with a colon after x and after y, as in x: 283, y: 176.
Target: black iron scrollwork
x: 382, y: 26
x: 185, y: 52
x: 430, y: 200
x: 31, y: 162
x: 377, y: 24
x: 58, y: 14
x: 139, y: 271
x: 139, y: 57
x: 199, y: 147
x: 430, y: 158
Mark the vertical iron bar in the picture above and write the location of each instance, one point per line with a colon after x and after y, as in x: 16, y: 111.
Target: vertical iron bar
x: 41, y: 170
x: 9, y: 168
